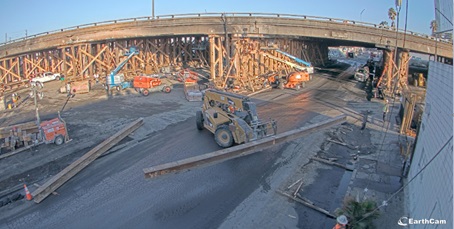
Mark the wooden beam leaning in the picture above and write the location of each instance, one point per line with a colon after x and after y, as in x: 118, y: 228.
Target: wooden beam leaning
x: 58, y: 180
x: 240, y: 150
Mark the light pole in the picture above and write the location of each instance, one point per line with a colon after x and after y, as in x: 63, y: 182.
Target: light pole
x: 361, y: 15
x: 35, y: 95
x: 152, y: 9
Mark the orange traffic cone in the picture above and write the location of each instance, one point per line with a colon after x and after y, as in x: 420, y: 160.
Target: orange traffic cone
x: 28, y: 196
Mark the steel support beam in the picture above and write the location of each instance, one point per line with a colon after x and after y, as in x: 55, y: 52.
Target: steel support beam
x: 240, y: 150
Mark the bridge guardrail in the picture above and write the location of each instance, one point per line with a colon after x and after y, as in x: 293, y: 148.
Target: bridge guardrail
x: 195, y: 15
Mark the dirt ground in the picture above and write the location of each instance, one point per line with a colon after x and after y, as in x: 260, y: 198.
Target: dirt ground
x: 90, y: 119
x: 89, y: 123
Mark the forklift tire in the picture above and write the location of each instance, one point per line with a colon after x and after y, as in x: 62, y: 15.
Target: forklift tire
x: 223, y: 137
x: 59, y: 140
x: 199, y: 120
x: 145, y: 92
x: 167, y: 89
x: 118, y: 88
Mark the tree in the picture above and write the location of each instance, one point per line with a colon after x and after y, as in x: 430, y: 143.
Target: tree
x: 392, y: 15
x: 434, y: 26
x: 360, y: 214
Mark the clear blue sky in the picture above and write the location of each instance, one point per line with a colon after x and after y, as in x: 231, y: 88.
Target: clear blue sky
x: 37, y: 16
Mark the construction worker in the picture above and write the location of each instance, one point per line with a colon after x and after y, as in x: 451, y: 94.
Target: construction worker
x: 385, y: 109
x: 341, y: 222
x: 15, y: 98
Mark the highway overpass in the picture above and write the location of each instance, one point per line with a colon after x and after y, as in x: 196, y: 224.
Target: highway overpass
x: 59, y: 50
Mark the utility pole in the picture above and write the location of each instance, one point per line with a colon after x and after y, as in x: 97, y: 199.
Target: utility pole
x: 152, y: 9
x: 26, y: 34
x: 35, y: 95
x: 6, y: 37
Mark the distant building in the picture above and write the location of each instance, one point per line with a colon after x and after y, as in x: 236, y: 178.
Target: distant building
x: 443, y: 16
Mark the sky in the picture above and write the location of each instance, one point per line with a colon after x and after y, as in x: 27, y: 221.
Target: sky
x: 19, y: 17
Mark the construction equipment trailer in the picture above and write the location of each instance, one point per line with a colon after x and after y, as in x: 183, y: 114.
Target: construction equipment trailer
x: 24, y: 135
x: 232, y: 118
x: 118, y: 81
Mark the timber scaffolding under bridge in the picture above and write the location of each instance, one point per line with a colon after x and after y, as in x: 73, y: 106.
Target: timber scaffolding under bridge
x: 230, y: 44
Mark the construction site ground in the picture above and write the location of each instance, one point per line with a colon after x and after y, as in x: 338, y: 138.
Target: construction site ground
x: 240, y: 193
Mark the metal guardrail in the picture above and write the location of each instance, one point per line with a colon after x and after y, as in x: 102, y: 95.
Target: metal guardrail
x: 198, y: 15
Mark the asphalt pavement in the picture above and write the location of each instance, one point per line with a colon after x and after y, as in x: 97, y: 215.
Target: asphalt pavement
x: 113, y: 193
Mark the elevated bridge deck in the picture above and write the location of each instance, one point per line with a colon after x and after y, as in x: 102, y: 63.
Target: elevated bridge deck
x: 340, y: 30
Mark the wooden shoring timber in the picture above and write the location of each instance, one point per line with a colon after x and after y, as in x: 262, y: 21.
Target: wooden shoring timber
x: 7, y: 66
x: 70, y: 60
x: 63, y: 176
x: 36, y: 64
x: 404, y: 60
x: 93, y: 59
x: 220, y: 55
x: 216, y: 55
x: 240, y: 150
x: 409, y: 108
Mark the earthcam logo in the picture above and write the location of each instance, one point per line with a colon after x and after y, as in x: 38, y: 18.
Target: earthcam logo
x: 405, y: 221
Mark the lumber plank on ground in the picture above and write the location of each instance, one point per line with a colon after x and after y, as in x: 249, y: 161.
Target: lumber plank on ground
x: 240, y: 150
x: 5, y: 155
x: 58, y: 180
x: 332, y: 163
x: 307, y: 204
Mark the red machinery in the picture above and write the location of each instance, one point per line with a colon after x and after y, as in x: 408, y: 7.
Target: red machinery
x: 54, y: 131
x: 25, y: 135
x: 294, y: 80
x: 146, y: 84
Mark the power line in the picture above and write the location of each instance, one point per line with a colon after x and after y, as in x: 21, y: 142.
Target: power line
x: 409, y: 182
x: 447, y: 19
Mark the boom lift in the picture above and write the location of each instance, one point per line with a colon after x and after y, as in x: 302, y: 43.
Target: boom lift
x: 232, y: 118
x: 308, y: 65
x: 118, y: 81
x: 294, y: 80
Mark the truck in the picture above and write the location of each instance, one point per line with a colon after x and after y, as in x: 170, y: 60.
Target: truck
x: 45, y: 77
x: 118, y: 81
x: 232, y: 118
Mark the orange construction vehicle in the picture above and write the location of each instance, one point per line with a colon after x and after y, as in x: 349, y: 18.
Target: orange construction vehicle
x: 295, y: 80
x: 146, y: 84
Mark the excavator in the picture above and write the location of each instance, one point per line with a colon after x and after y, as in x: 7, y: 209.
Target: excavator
x: 232, y: 118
